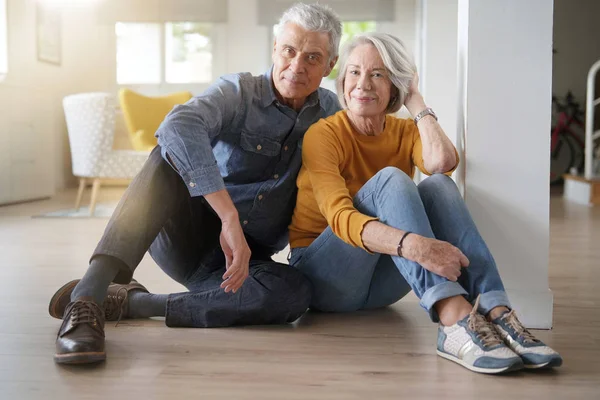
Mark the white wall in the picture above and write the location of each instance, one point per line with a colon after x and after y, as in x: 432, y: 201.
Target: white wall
x: 33, y: 142
x: 577, y: 41
x: 439, y: 87
x: 506, y: 64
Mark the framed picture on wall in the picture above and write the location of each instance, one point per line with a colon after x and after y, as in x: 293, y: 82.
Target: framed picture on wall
x: 48, y: 34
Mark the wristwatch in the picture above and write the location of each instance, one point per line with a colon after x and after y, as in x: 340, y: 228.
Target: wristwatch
x: 427, y: 111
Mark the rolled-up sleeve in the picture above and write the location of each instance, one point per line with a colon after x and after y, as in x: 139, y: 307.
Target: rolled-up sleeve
x: 186, y: 133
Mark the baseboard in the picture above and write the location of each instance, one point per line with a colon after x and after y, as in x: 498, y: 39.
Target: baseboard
x: 534, y: 308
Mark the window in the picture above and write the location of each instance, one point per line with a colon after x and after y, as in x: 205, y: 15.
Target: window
x: 188, y: 53
x: 155, y: 53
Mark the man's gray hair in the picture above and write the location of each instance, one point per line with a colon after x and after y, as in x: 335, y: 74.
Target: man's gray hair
x: 396, y: 58
x: 314, y: 18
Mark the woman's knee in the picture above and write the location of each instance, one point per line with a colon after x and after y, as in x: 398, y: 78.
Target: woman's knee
x: 438, y: 184
x: 389, y: 180
x: 393, y: 175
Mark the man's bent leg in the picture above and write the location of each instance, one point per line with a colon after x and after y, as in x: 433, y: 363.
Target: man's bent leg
x: 142, y: 212
x: 273, y: 293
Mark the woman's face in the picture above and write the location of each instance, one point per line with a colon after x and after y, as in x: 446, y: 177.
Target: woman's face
x: 367, y: 86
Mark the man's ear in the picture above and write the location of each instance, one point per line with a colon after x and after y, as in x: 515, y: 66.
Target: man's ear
x: 330, y: 66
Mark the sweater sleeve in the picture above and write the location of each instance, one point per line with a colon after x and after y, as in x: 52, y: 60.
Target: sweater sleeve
x: 322, y: 156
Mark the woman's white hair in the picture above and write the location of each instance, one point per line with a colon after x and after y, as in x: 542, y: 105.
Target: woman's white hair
x: 314, y: 18
x: 396, y: 58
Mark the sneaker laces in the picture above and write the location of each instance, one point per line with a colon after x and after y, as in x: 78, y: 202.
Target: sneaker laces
x: 483, y: 329
x: 115, y: 303
x: 84, y: 312
x: 511, y: 320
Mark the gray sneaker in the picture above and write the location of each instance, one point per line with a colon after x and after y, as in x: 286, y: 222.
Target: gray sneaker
x: 535, y: 353
x: 474, y: 343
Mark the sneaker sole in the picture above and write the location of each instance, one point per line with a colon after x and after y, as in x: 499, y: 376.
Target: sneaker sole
x: 550, y: 364
x: 491, y: 371
x: 53, y: 306
x: 80, y: 358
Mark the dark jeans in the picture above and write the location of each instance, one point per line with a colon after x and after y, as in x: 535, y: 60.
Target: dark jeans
x: 181, y: 233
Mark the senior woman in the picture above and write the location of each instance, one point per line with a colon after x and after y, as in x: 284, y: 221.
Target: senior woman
x: 365, y: 234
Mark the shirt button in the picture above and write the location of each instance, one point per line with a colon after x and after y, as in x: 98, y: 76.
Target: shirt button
x: 276, y: 176
x: 259, y: 147
x: 260, y: 196
x: 285, y: 148
x: 245, y: 222
x: 192, y: 184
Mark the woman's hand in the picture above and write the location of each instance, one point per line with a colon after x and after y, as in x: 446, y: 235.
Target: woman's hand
x: 434, y: 255
x: 414, y: 101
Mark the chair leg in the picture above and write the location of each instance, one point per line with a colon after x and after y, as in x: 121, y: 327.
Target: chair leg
x: 82, y: 183
x: 95, y: 190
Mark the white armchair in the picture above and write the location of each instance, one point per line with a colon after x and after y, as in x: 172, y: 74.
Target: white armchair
x: 91, y: 125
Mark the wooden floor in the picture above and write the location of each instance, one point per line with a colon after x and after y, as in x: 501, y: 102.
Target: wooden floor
x: 372, y: 355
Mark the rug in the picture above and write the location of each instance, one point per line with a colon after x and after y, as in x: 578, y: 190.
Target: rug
x: 103, y: 210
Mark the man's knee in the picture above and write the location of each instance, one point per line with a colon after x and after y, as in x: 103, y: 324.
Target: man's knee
x: 284, y: 290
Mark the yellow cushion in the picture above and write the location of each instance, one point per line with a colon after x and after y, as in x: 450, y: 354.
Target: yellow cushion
x: 143, y: 115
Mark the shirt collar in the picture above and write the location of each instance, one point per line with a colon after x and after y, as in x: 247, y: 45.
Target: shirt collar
x: 268, y: 92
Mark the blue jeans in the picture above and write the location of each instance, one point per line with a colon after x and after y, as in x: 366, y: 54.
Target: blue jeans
x: 181, y: 233
x: 347, y: 278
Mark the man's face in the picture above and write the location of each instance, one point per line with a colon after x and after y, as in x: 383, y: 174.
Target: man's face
x: 300, y: 61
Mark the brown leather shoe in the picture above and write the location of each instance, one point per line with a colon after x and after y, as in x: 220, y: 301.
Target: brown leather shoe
x: 80, y: 338
x: 115, y: 305
x: 61, y: 298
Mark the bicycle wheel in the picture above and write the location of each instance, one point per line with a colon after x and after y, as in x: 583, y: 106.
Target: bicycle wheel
x: 561, y: 159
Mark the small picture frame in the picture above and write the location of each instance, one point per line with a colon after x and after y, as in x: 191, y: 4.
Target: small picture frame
x: 49, y: 34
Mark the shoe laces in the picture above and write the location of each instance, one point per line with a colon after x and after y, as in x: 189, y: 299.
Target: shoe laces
x: 511, y: 320
x: 85, y: 312
x: 116, y: 303
x: 483, y: 329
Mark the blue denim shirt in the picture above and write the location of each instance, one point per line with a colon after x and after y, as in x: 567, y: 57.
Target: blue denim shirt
x: 236, y: 135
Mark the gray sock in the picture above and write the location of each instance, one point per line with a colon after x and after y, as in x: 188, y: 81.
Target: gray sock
x: 146, y: 305
x: 102, y: 271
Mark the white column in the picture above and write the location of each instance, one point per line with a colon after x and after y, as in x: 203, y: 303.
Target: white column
x: 505, y: 76
x: 439, y: 19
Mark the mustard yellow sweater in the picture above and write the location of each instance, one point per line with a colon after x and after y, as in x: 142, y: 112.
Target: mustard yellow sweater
x: 336, y: 162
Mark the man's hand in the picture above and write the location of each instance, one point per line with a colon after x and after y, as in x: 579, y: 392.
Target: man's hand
x: 437, y: 256
x: 237, y: 255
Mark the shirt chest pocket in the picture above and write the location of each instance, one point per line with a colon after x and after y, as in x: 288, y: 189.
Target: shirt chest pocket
x: 254, y: 159
x: 259, y: 145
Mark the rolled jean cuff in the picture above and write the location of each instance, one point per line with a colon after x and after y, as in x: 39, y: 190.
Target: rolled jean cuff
x: 440, y: 292
x: 491, y: 300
